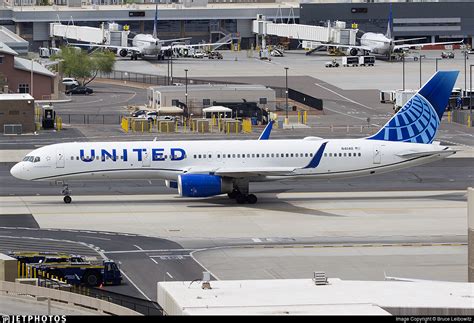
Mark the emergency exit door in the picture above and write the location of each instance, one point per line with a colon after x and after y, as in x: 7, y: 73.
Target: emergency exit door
x: 378, y: 154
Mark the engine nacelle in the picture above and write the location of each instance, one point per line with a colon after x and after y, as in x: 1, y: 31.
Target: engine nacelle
x: 352, y: 51
x: 123, y: 52
x: 171, y: 184
x: 201, y: 185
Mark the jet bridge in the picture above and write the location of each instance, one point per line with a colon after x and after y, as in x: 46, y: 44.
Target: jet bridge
x: 107, y: 36
x: 336, y: 33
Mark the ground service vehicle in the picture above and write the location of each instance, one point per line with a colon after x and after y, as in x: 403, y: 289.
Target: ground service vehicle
x: 79, y: 273
x: 28, y: 257
x: 447, y: 55
x: 350, y: 61
x: 215, y: 55
x: 332, y: 63
x: 366, y: 60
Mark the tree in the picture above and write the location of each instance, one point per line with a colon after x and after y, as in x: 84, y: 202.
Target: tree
x: 84, y: 67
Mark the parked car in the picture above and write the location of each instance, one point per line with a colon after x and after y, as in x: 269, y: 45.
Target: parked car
x: 139, y: 113
x: 70, y: 81
x: 198, y: 55
x: 152, y: 116
x: 447, y: 55
x: 215, y: 55
x: 80, y: 90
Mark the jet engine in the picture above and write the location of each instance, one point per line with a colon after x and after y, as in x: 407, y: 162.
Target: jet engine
x: 183, y: 52
x: 352, y: 51
x: 202, y: 185
x: 123, y: 52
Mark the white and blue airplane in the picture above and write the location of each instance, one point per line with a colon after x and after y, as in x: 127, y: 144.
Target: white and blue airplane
x: 209, y: 168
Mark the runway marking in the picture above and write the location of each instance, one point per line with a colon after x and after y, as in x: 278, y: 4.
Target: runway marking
x: 89, y: 237
x: 256, y: 240
x: 344, y: 97
x: 156, y: 262
x: 138, y: 247
x: 169, y: 275
x: 153, y: 250
x: 134, y: 285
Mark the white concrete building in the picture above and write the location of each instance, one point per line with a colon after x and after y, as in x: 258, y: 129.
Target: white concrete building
x: 304, y: 297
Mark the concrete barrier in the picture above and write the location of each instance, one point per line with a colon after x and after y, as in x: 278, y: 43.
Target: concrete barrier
x: 102, y: 307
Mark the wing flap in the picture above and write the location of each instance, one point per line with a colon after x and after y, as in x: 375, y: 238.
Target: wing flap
x: 243, y: 171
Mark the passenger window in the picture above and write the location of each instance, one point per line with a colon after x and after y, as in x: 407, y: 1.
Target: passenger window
x: 248, y: 155
x: 268, y: 155
x: 72, y: 157
x: 77, y: 157
x: 199, y: 156
x: 243, y: 155
x: 253, y: 155
x: 311, y: 155
x: 228, y: 155
x: 359, y: 154
x: 287, y: 155
x: 233, y: 155
x: 218, y: 156
x: 291, y: 155
x: 344, y: 154
x: 330, y: 154
x: 349, y: 154
x: 258, y: 155
x: 325, y: 154
x: 277, y: 155
x: 272, y: 155
x: 340, y: 154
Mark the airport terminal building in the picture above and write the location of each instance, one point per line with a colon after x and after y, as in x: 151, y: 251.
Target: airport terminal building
x: 212, y: 20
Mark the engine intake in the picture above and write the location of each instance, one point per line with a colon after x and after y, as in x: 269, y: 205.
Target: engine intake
x: 123, y: 52
x: 201, y: 185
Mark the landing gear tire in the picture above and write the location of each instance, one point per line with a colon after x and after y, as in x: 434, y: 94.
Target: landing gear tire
x: 241, y: 199
x: 251, y: 199
x: 233, y: 194
x: 67, y: 199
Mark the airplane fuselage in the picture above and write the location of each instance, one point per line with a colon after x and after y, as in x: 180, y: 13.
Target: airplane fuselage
x: 338, y: 158
x: 148, y: 45
x: 378, y: 43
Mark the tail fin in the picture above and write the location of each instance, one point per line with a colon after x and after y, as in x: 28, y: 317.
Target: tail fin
x: 389, y: 32
x: 419, y: 119
x: 155, y: 23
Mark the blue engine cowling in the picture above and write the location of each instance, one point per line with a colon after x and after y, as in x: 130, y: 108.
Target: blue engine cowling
x: 201, y: 185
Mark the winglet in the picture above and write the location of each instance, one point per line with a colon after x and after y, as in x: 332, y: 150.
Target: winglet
x: 317, y: 157
x: 265, y: 135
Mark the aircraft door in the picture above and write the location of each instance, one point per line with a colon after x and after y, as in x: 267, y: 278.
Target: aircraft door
x: 146, y: 161
x: 378, y: 154
x: 60, y: 159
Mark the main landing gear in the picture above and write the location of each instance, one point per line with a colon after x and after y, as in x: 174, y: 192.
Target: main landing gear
x: 241, y: 192
x: 66, y: 192
x: 242, y: 198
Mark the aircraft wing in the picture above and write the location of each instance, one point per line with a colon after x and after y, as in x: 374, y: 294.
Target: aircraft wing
x: 130, y: 49
x: 425, y: 44
x: 168, y: 47
x: 240, y: 172
x: 345, y: 46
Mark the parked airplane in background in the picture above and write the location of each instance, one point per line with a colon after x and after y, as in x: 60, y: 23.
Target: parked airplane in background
x: 384, y: 44
x: 208, y: 168
x: 150, y: 45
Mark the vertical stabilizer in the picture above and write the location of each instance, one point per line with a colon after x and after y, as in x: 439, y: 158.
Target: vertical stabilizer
x: 389, y: 32
x: 155, y: 23
x: 418, y: 120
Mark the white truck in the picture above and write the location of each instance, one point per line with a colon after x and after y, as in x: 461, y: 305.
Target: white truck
x: 350, y: 61
x: 402, y: 97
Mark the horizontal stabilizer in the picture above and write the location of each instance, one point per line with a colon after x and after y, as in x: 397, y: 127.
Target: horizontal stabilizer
x: 427, y: 153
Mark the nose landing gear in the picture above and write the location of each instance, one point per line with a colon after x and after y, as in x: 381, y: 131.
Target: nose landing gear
x: 66, y: 192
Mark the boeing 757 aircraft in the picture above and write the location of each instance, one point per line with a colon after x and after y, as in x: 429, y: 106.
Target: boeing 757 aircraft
x: 209, y: 168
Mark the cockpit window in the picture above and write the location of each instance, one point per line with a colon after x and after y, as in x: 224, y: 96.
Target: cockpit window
x: 32, y: 159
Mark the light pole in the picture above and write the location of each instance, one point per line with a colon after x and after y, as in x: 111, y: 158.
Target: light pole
x: 286, y: 92
x: 186, y: 90
x: 470, y: 91
x: 437, y: 58
x: 420, y: 69
x: 171, y: 63
x: 465, y: 70
x: 31, y: 76
x: 403, y: 61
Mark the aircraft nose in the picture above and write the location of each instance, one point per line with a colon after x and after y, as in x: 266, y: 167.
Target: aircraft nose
x: 17, y: 171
